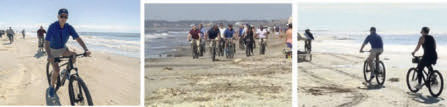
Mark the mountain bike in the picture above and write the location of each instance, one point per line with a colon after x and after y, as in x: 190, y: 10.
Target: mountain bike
x: 379, y: 71
x: 432, y: 79
x: 77, y: 88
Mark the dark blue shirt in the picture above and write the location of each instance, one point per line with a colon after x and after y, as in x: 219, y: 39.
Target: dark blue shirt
x: 212, y: 34
x: 375, y: 41
x: 229, y: 33
x: 58, y: 36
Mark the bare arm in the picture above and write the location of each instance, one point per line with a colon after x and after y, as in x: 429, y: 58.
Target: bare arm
x: 421, y: 41
x: 81, y: 42
x: 47, y: 48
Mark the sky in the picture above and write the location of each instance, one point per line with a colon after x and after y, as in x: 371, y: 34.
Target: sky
x: 176, y: 12
x: 84, y: 15
x: 359, y: 17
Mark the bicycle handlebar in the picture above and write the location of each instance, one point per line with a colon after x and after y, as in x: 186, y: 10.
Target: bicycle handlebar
x: 76, y: 55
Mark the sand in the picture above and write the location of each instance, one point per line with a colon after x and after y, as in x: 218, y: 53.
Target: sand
x: 334, y: 78
x: 261, y: 80
x: 111, y: 79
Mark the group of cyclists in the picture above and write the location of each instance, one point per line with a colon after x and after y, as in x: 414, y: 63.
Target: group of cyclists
x: 429, y: 58
x: 223, y: 38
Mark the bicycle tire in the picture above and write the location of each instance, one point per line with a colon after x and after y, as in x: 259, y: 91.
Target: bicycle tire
x: 365, y: 68
x: 49, y: 77
x: 82, y: 86
x: 435, y: 94
x: 383, y: 74
x: 413, y: 77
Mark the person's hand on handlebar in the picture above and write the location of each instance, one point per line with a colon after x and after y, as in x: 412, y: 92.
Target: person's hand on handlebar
x: 361, y: 51
x: 87, y: 53
x: 412, y: 53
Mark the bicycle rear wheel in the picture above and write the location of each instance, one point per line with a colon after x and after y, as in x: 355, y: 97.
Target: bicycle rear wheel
x: 78, y: 92
x: 412, y: 80
x: 381, y: 76
x: 366, y: 72
x: 435, y: 83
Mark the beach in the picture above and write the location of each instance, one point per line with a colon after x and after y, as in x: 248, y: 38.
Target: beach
x: 334, y: 76
x: 112, y: 79
x: 179, y: 80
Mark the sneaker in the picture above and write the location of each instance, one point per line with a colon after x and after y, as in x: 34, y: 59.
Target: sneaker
x: 419, y: 86
x: 51, y: 92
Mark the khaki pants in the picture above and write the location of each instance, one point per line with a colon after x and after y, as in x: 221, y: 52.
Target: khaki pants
x: 372, y: 55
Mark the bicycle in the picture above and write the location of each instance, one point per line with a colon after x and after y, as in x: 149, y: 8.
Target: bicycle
x: 202, y: 47
x: 40, y: 45
x: 195, y: 49
x: 213, y: 49
x: 241, y: 43
x: 230, y: 49
x: 221, y: 47
x: 76, y: 95
x: 431, y: 77
x: 379, y: 71
x: 263, y: 46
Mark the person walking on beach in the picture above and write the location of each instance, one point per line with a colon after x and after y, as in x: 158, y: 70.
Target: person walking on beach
x: 376, y: 47
x: 57, y: 36
x: 40, y: 36
x: 289, y: 36
x: 23, y: 33
x: 262, y: 34
x: 194, y: 33
x: 10, y: 33
x: 430, y: 55
x: 202, y: 39
x: 308, y: 41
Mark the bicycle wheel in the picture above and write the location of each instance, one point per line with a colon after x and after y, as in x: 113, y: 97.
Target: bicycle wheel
x: 366, y: 72
x: 49, y: 75
x: 381, y: 76
x: 412, y: 80
x: 213, y: 53
x: 436, y: 83
x: 78, y: 92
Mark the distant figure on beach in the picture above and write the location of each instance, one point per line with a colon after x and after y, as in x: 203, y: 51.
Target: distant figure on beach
x: 23, y: 33
x: 10, y: 33
x: 309, y: 38
x: 222, y: 41
x: 57, y: 36
x: 40, y: 36
x: 276, y: 30
x: 1, y: 33
x: 240, y: 36
x: 376, y: 47
x: 430, y: 55
x: 289, y: 36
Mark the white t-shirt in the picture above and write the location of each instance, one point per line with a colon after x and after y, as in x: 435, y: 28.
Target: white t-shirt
x: 261, y: 33
x: 222, y: 32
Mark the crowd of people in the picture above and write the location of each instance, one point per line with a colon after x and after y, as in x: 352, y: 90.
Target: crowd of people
x: 246, y: 34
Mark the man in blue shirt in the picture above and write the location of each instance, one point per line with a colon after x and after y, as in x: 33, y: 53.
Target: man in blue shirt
x: 57, y: 36
x: 376, y: 46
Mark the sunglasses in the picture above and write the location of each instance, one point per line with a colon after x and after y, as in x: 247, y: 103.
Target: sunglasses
x: 64, y: 16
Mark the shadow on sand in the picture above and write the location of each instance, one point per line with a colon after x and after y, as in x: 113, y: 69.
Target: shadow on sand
x: 39, y: 54
x: 52, y: 101
x: 418, y: 97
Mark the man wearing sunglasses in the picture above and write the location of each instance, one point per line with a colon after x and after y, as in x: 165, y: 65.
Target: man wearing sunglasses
x: 57, y: 36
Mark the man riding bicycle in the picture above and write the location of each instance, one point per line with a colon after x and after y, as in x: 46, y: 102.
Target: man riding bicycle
x: 10, y: 33
x: 430, y: 56
x: 57, y: 36
x: 376, y: 47
x: 262, y: 34
x: 40, y: 36
x: 228, y: 34
x: 194, y: 33
x: 202, y: 39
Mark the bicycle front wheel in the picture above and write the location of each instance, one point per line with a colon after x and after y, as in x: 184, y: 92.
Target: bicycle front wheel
x: 435, y: 83
x: 78, y: 92
x: 412, y: 80
x: 50, y: 74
